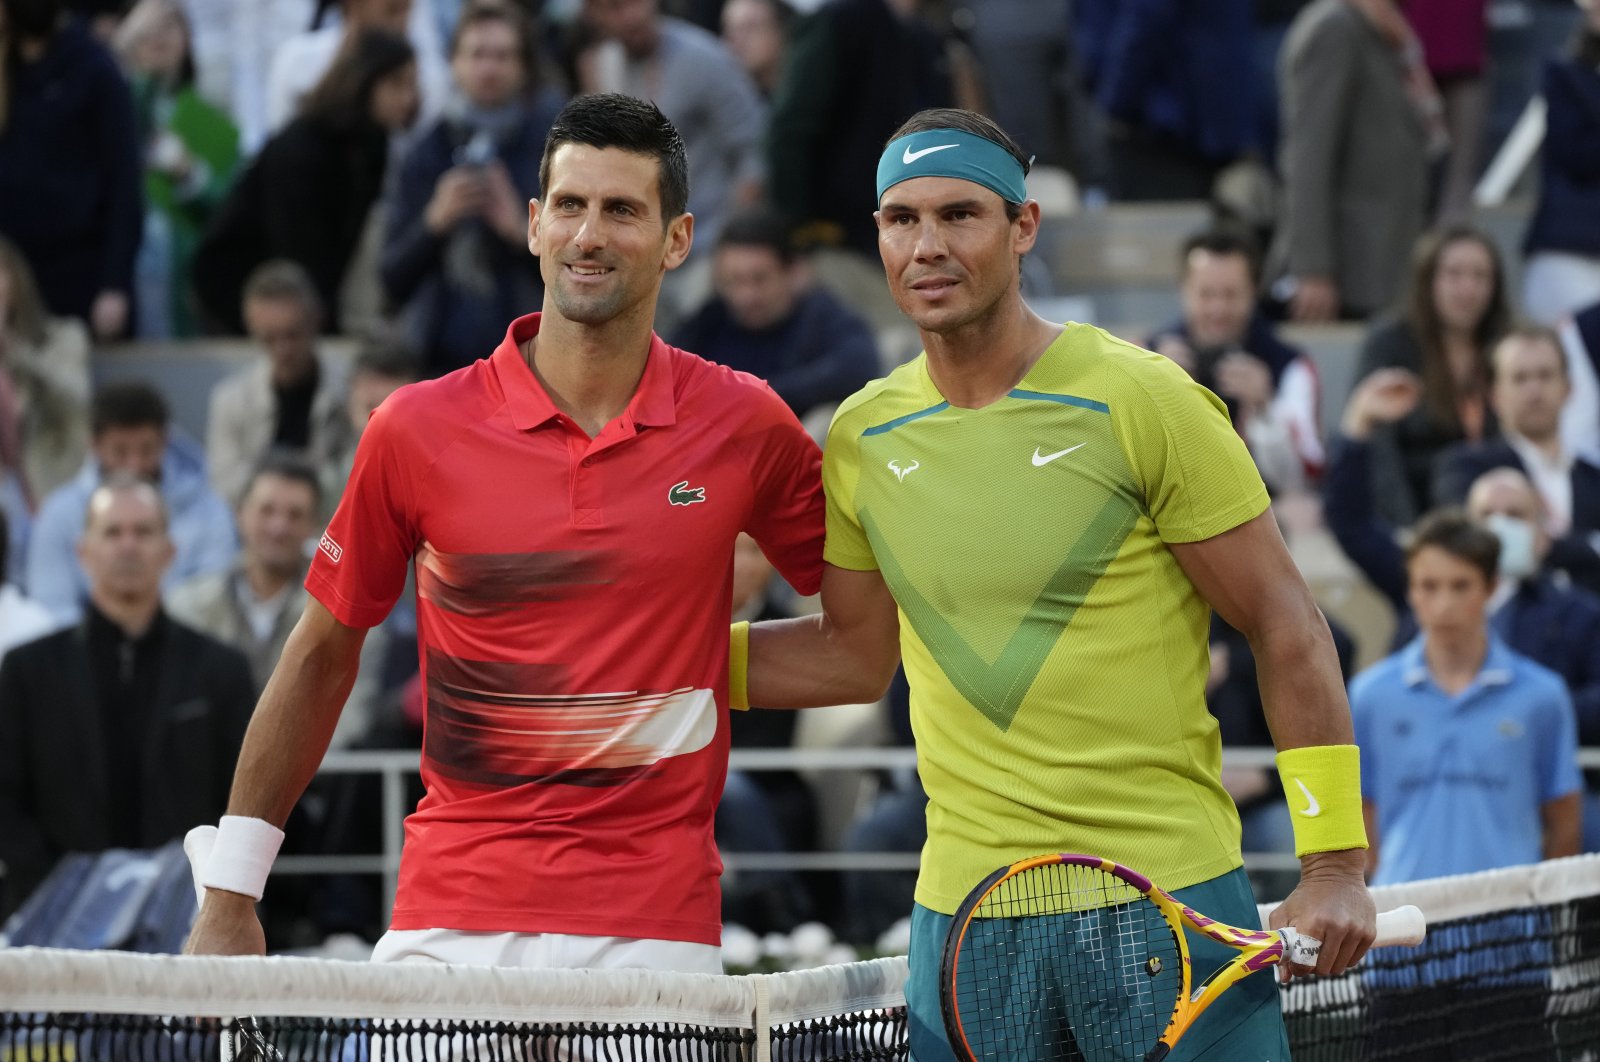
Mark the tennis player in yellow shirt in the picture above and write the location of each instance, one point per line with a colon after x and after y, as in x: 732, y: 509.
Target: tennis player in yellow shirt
x: 1038, y: 519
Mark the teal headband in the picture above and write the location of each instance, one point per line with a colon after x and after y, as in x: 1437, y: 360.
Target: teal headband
x: 952, y: 153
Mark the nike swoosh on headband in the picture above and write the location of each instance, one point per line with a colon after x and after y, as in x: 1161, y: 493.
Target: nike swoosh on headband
x: 909, y: 156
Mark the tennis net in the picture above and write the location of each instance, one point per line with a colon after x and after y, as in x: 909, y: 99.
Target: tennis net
x: 1511, y: 970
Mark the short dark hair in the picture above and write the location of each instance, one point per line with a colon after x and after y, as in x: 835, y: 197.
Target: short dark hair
x: 133, y: 404
x: 285, y: 279
x: 612, y: 120
x: 481, y: 12
x: 1529, y: 333
x: 967, y: 122
x: 285, y: 466
x: 1223, y: 240
x: 1452, y: 531
x: 760, y: 227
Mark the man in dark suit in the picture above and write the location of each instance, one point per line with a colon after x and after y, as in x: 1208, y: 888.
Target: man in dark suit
x: 122, y: 731
x: 1529, y: 390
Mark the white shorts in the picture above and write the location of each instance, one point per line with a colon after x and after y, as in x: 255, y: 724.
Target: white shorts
x: 550, y: 951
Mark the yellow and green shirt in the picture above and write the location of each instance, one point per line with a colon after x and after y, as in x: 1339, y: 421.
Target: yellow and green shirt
x: 1056, y: 652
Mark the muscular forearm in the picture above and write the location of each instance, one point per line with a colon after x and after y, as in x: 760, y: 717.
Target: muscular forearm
x: 808, y: 663
x: 295, y: 717
x: 1301, y: 686
x: 844, y: 655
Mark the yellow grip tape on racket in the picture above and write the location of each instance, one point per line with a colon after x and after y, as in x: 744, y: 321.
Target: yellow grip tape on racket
x: 1323, y: 786
x: 739, y: 667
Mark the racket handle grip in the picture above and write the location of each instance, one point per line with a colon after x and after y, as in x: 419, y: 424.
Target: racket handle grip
x: 1403, y: 926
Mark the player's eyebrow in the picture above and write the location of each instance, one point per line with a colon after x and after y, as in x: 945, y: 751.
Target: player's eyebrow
x: 972, y: 205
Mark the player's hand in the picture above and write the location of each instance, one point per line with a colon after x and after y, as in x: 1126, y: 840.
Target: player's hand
x: 1382, y: 397
x: 1315, y: 300
x: 226, y: 925
x: 1332, y: 904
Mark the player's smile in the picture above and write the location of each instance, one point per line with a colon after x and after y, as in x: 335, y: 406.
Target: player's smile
x: 587, y: 272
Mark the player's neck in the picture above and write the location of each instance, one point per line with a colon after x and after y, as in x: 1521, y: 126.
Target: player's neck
x: 590, y: 372
x: 1454, y: 658
x: 981, y: 362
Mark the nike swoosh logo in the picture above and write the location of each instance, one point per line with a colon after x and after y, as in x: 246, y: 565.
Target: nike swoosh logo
x: 1040, y: 460
x: 1312, y: 808
x: 911, y: 156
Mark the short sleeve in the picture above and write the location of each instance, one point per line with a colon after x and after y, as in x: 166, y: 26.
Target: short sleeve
x: 787, y: 519
x: 1558, y: 766
x: 359, y: 568
x: 847, y: 545
x: 1196, y: 473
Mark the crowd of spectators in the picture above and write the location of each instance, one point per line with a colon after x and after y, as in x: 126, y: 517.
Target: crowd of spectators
x: 298, y: 177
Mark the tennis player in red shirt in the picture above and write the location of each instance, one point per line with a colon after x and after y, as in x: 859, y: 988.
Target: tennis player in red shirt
x: 570, y: 504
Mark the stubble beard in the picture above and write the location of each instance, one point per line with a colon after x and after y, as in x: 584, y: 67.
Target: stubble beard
x: 595, y: 309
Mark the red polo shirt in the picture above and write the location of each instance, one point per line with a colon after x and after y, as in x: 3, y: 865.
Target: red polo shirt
x: 573, y: 600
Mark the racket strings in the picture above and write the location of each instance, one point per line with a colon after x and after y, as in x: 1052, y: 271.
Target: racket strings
x: 1066, y: 963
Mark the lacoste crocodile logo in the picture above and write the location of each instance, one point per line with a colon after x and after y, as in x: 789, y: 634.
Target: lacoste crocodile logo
x: 683, y: 494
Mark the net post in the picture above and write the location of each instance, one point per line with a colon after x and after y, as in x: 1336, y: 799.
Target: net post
x: 763, y: 1017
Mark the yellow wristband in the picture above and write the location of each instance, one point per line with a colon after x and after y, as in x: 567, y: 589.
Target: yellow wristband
x: 1323, y: 786
x: 739, y: 667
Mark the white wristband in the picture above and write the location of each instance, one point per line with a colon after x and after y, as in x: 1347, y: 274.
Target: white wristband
x: 242, y: 856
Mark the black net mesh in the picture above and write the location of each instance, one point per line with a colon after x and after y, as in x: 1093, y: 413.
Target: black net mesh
x: 1522, y: 983
x: 146, y: 1038
x: 1511, y: 972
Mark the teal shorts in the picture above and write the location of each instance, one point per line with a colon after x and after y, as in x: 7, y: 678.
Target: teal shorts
x: 1246, y: 1021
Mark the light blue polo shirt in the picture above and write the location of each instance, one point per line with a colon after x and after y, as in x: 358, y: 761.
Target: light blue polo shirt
x: 1459, y: 780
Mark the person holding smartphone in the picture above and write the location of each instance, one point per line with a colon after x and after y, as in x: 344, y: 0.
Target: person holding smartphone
x: 454, y: 254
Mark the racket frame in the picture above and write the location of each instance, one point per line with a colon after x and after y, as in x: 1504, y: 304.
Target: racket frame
x: 1258, y: 948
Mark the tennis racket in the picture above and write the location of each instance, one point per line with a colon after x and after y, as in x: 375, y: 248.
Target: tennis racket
x: 1074, y: 957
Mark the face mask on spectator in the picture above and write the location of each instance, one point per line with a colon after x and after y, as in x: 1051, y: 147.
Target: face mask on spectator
x: 1517, y: 561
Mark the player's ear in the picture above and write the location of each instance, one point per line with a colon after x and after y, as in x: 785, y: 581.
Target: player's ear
x: 533, y: 226
x: 1026, y: 228
x: 680, y: 238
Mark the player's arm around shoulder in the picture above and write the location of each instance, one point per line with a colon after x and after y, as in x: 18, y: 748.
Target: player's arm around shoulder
x: 845, y: 654
x: 1249, y: 578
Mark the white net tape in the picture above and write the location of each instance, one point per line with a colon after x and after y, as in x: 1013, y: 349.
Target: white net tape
x: 124, y: 983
